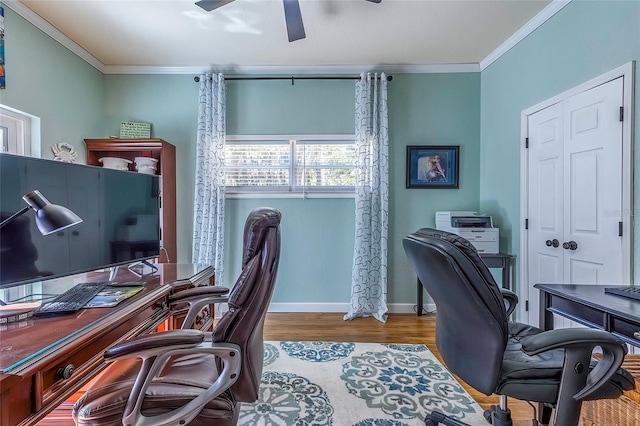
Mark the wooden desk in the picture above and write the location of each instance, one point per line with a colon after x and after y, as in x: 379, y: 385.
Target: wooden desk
x: 35, y: 352
x: 589, y: 305
x: 492, y: 260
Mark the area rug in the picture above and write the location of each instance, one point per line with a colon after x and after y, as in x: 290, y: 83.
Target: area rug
x: 355, y: 384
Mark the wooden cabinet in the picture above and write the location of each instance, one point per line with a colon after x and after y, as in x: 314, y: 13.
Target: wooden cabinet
x: 165, y: 153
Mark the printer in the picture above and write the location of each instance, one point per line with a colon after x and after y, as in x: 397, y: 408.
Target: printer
x: 478, y: 229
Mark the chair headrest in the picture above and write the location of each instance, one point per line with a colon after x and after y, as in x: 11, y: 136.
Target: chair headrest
x: 463, y: 245
x: 258, y: 221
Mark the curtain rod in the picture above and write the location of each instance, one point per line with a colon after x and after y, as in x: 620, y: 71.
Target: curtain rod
x: 292, y: 78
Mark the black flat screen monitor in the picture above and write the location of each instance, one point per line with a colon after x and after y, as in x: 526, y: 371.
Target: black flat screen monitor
x: 119, y: 209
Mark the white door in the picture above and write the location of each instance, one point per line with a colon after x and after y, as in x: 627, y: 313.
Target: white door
x: 575, y: 192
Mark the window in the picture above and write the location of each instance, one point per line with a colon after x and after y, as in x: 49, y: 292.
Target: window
x: 15, y: 129
x: 280, y: 164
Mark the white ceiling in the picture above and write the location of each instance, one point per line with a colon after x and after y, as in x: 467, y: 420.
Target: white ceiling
x: 252, y: 33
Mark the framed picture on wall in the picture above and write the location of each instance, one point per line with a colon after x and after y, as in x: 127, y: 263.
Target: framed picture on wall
x: 433, y: 166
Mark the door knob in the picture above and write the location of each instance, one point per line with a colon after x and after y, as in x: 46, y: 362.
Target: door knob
x: 554, y: 243
x: 571, y: 245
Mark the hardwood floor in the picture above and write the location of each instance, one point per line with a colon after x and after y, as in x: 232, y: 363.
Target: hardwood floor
x: 399, y: 328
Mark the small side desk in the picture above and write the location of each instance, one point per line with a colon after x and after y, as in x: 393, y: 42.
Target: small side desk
x: 492, y: 260
x: 589, y: 305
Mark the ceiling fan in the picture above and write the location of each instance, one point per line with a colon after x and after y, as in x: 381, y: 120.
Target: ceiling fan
x: 292, y: 15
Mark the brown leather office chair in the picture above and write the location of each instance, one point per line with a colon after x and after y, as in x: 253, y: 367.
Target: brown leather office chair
x: 187, y: 376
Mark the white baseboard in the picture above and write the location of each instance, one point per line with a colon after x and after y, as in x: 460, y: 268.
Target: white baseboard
x: 394, y: 308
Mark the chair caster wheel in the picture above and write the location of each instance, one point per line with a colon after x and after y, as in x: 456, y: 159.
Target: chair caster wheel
x: 428, y: 421
x: 488, y: 414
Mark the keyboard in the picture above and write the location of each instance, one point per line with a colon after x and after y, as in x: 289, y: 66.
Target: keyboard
x: 628, y: 292
x: 72, y: 300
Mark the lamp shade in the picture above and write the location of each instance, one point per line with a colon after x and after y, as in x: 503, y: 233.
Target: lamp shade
x: 50, y: 218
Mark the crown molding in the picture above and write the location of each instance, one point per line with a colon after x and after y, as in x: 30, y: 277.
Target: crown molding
x: 545, y: 14
x: 292, y: 69
x: 528, y: 28
x: 37, y: 21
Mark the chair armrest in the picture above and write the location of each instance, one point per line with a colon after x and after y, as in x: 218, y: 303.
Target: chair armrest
x: 211, y: 290
x: 578, y: 382
x: 231, y: 358
x: 568, y: 337
x: 197, y: 298
x: 152, y: 344
x: 510, y: 299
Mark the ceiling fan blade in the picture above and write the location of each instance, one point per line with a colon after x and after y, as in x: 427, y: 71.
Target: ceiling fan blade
x: 210, y: 5
x: 293, y: 18
x: 375, y: 1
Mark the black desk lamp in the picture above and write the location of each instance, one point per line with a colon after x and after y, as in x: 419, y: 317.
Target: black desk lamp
x: 49, y: 217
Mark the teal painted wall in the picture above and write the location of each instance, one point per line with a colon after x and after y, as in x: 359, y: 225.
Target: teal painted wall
x: 169, y: 103
x: 582, y: 41
x: 46, y: 80
x: 428, y: 109
x: 271, y: 107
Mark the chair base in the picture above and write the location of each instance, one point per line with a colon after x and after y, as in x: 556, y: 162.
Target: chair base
x: 495, y: 416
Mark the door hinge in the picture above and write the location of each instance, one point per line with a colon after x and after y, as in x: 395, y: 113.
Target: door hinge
x: 619, y: 229
x: 526, y: 306
x: 526, y: 224
x: 526, y: 143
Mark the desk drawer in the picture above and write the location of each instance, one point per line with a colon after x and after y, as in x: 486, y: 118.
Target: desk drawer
x: 629, y: 331
x: 579, y: 313
x: 85, y: 360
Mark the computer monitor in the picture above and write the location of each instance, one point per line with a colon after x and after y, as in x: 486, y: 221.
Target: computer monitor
x: 119, y: 209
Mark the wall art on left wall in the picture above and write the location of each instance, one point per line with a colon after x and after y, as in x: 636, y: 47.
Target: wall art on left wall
x: 2, y: 82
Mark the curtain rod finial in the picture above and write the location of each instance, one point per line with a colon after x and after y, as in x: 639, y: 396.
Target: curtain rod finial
x: 196, y: 79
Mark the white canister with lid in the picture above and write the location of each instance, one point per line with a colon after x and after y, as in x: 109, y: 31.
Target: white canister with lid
x: 146, y: 165
x: 115, y: 163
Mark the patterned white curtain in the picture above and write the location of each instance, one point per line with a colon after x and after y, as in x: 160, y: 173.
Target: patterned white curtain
x: 208, y: 219
x: 369, y: 275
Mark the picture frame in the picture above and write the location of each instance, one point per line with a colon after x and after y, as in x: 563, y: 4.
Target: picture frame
x: 433, y: 166
x: 2, y: 75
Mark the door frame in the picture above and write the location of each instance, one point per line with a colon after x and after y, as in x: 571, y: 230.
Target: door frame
x: 627, y: 71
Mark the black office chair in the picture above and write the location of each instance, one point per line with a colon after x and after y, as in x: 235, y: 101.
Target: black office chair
x: 192, y: 377
x: 495, y: 356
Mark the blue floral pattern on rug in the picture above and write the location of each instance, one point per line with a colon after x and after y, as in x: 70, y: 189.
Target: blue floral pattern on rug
x: 317, y: 351
x: 406, y: 347
x: 404, y: 385
x: 288, y: 399
x: 270, y: 354
x: 380, y: 422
